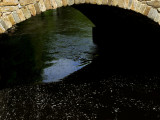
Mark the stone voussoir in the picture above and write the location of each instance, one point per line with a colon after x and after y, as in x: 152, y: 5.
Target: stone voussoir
x: 41, y: 6
x: 48, y: 4
x: 20, y: 15
x: 70, y: 2
x: 2, y: 29
x: 16, y: 17
x: 37, y: 8
x: 11, y: 19
x: 32, y: 9
x: 7, y: 23
x: 16, y: 11
x: 26, y: 12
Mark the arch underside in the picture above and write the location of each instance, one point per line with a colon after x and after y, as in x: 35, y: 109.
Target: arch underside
x: 17, y: 11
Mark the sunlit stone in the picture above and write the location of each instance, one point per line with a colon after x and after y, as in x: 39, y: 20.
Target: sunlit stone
x: 32, y: 9
x: 15, y: 16
x: 20, y: 14
x: 37, y: 7
x: 48, y: 4
x: 26, y: 12
x: 10, y: 17
x: 2, y: 29
x: 70, y: 2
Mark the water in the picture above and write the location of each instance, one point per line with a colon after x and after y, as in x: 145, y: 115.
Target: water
x: 92, y: 87
x: 46, y: 48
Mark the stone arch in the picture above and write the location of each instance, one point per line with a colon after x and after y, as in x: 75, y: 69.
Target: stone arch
x: 15, y: 11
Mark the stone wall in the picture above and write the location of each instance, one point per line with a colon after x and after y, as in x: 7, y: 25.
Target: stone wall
x: 16, y: 11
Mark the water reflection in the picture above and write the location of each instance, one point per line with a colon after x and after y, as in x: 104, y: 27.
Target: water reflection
x: 60, y: 69
x: 46, y: 48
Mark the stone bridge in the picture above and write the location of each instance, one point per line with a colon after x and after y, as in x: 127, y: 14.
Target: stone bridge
x: 16, y: 11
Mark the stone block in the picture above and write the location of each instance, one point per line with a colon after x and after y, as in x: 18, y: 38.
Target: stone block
x: 54, y: 4
x: 93, y: 1
x: 9, y: 3
x: 146, y: 11
x: 86, y: 1
x: 157, y: 18
x: 7, y: 24
x: 32, y: 9
x: 20, y: 15
x: 154, y: 3
x: 11, y: 19
x: 26, y: 12
x: 2, y: 29
x: 70, y: 2
x: 114, y: 2
x: 8, y: 8
x: 82, y: 1
x: 126, y: 2
x: 105, y: 2
x: 152, y: 13
x: 142, y: 8
x: 59, y: 3
x: 99, y: 2
x: 26, y: 2
x: 121, y: 3
x: 48, y: 4
x: 130, y: 4
x: 138, y: 6
x: 109, y: 2
x: 16, y: 17
x: 77, y: 1
x: 42, y: 6
x: 64, y: 2
x: 37, y: 7
x: 3, y: 24
x: 134, y: 5
x: 155, y: 15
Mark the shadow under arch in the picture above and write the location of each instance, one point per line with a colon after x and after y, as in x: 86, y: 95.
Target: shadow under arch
x: 127, y: 40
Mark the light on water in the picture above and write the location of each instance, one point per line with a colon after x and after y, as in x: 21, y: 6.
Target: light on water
x: 60, y: 69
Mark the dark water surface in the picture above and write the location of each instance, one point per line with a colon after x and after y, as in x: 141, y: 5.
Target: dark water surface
x: 46, y: 48
x: 58, y: 44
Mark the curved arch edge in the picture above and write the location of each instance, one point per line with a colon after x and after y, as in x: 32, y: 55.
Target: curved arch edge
x: 12, y: 13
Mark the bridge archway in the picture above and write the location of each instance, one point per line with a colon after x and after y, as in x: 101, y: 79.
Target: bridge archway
x: 16, y: 11
x: 21, y: 11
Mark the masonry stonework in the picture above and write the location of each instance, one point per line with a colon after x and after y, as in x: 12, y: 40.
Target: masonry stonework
x: 15, y: 11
